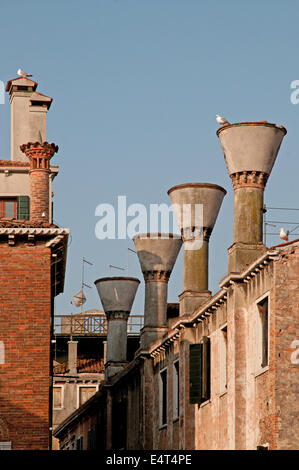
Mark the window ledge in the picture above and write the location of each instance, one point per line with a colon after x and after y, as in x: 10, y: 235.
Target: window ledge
x: 205, y: 403
x: 175, y: 419
x: 164, y: 426
x: 261, y: 371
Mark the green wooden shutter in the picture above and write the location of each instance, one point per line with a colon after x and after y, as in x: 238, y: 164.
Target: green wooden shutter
x: 195, y: 372
x: 23, y: 207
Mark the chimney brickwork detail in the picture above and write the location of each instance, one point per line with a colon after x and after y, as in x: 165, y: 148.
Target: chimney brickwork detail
x: 39, y: 155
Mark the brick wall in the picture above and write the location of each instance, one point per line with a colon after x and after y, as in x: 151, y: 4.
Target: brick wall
x: 286, y: 310
x: 259, y: 406
x: 25, y: 316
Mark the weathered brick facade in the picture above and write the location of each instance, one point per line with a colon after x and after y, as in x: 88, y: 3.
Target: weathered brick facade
x: 30, y: 277
x: 32, y: 267
x: 259, y: 405
x: 25, y: 319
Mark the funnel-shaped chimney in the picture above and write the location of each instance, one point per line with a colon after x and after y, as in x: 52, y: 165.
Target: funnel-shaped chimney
x: 196, y: 206
x: 250, y: 150
x: 250, y: 146
x: 117, y: 295
x: 157, y: 254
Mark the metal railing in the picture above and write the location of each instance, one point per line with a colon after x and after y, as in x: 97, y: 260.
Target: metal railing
x: 91, y: 325
x: 88, y: 365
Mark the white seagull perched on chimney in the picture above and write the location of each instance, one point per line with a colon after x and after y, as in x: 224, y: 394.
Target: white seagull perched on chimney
x: 284, y: 235
x: 23, y: 74
x: 221, y: 120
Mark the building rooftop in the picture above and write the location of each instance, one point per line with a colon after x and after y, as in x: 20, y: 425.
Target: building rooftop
x: 17, y: 163
x: 15, y: 223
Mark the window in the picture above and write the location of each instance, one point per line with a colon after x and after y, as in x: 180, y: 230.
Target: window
x: 23, y: 207
x: 176, y: 390
x: 85, y: 393
x: 58, y: 397
x: 163, y: 397
x: 223, y: 359
x: 91, y: 439
x: 5, y: 445
x: 206, y: 368
x: 119, y: 421
x: 8, y: 208
x: 79, y: 443
x: 15, y: 207
x: 199, y: 371
x: 2, y: 353
x: 262, y: 321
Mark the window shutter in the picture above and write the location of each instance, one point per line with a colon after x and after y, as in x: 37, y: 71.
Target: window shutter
x: 23, y: 207
x: 206, y: 374
x: 79, y: 443
x: 195, y: 372
x: 91, y: 439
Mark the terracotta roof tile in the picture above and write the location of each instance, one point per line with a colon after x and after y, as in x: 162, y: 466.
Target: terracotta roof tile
x: 20, y: 223
x: 13, y: 163
x: 17, y: 164
x: 284, y: 244
x: 30, y: 82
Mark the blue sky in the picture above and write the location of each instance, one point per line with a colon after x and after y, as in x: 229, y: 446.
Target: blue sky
x: 136, y: 86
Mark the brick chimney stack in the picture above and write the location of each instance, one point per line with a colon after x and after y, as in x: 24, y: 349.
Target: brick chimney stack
x: 39, y: 155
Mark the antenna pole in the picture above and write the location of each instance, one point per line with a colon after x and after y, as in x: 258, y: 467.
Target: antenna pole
x: 128, y: 253
x: 265, y: 225
x: 115, y: 267
x: 82, y: 280
x: 83, y: 283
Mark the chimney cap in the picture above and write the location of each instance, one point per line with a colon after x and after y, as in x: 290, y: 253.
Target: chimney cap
x: 20, y: 81
x: 117, y: 293
x: 40, y: 98
x: 250, y: 146
x: 207, y: 195
x: 157, y: 253
x: 117, y: 278
x: 251, y: 123
x: 196, y: 185
x: 163, y: 236
x: 38, y: 145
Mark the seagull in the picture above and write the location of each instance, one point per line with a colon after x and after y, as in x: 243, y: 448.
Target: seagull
x: 284, y: 235
x: 221, y: 120
x: 23, y: 74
